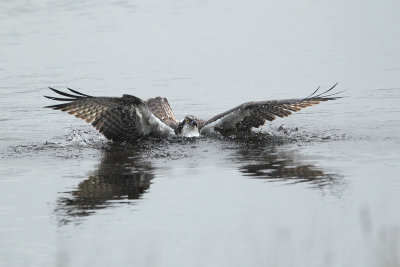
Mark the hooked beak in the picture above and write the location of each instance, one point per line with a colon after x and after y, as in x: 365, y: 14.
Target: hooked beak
x: 193, y: 123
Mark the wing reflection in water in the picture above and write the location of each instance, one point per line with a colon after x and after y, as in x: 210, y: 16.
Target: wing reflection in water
x: 121, y: 176
x: 282, y: 163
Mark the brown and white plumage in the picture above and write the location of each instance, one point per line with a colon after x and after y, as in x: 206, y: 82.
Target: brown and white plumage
x: 129, y: 118
x: 255, y: 114
x: 125, y: 118
x: 161, y: 108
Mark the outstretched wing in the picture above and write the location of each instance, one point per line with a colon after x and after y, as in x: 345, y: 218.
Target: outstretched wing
x: 254, y: 114
x: 161, y: 108
x: 125, y: 118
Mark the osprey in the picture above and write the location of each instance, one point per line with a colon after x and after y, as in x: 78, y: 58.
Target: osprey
x: 129, y: 118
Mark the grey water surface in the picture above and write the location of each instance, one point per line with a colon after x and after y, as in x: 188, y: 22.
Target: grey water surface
x: 321, y: 190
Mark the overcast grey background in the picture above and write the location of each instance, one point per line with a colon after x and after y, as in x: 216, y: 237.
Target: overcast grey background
x: 202, y: 208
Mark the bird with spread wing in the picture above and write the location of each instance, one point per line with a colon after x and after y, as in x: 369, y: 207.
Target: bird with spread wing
x: 129, y: 118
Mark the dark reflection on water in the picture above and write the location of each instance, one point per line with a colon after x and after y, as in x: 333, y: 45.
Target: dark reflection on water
x: 275, y: 163
x: 121, y: 176
x: 125, y: 173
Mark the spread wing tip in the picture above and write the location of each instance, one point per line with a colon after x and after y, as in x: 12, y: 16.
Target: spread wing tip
x: 59, y: 99
x: 59, y: 106
x: 324, y: 96
x: 76, y: 95
x: 68, y: 97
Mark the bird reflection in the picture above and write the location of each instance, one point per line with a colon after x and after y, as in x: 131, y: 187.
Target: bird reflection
x: 121, y: 176
x: 282, y: 163
x: 123, y: 173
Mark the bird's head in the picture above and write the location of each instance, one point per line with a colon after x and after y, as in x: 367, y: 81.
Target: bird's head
x: 190, y: 120
x: 188, y: 127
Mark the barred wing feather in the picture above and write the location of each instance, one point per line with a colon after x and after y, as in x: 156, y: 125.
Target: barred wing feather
x: 255, y: 114
x: 125, y: 118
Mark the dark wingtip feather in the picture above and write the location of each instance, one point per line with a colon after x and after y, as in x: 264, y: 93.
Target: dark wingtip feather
x: 64, y: 94
x: 334, y: 94
x: 324, y: 95
x: 330, y: 89
x: 313, y: 92
x: 58, y: 106
x: 78, y: 93
x: 68, y: 98
x: 59, y: 99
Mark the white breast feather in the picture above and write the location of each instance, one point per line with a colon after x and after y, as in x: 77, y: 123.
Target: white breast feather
x: 190, y: 131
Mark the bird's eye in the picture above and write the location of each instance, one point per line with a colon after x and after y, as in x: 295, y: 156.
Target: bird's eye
x: 187, y: 121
